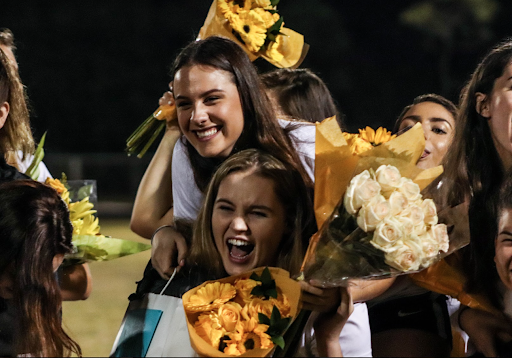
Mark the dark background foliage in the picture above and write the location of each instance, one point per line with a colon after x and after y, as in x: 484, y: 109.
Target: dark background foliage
x: 95, y: 69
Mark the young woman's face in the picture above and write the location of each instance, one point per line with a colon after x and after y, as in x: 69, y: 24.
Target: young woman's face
x: 438, y: 124
x: 498, y: 110
x: 248, y: 222
x: 503, y: 247
x: 209, y: 109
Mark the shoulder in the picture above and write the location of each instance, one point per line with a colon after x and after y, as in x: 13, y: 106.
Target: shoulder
x: 303, y: 131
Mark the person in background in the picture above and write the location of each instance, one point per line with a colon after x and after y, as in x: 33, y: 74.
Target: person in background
x: 399, y: 309
x: 299, y: 94
x: 35, y: 233
x: 16, y: 154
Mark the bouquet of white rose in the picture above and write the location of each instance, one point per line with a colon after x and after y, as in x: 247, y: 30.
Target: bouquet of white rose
x: 382, y: 226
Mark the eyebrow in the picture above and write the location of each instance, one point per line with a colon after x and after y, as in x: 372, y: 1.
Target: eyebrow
x: 433, y: 119
x: 204, y: 94
x: 505, y: 232
x: 258, y: 207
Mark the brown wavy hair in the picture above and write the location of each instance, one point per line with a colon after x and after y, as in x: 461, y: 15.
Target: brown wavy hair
x: 474, y: 172
x: 261, y: 129
x: 34, y: 228
x: 289, y: 188
x: 16, y: 134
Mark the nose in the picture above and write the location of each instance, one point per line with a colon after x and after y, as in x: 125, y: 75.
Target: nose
x: 199, y: 115
x: 238, y: 224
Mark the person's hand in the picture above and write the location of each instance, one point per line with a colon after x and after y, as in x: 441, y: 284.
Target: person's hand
x: 485, y: 329
x: 167, y: 99
x: 328, y: 325
x: 168, y: 251
x: 316, y: 298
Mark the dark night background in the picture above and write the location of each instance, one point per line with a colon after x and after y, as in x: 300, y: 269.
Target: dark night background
x: 95, y: 69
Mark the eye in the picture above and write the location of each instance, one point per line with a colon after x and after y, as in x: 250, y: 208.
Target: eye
x: 437, y: 130
x: 183, y: 104
x: 224, y: 207
x: 211, y: 99
x: 259, y: 213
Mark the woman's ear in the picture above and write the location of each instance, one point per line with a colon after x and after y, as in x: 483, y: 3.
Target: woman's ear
x: 482, y: 105
x: 4, y: 112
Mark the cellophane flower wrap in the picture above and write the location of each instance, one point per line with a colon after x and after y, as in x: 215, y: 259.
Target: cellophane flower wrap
x: 243, y: 315
x: 89, y: 244
x: 374, y: 221
x: 258, y: 28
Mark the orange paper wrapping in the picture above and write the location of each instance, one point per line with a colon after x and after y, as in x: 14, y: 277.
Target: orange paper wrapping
x: 335, y: 165
x: 447, y: 277
x: 292, y: 48
x: 288, y: 286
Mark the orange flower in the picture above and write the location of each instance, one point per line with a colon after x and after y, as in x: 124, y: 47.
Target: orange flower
x: 210, y: 296
x: 255, y: 306
x: 244, y: 287
x: 56, y: 184
x: 232, y: 350
x: 282, y: 303
x: 209, y: 328
x: 229, y: 315
x: 381, y: 135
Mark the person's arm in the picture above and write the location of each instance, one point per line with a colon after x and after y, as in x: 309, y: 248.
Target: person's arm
x: 484, y: 329
x: 328, y: 326
x: 75, y: 282
x: 365, y: 290
x: 153, y: 204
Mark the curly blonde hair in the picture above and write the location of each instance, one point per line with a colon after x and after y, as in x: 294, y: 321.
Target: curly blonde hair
x: 16, y: 134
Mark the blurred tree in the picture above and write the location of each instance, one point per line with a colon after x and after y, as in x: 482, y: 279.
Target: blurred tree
x: 451, y: 26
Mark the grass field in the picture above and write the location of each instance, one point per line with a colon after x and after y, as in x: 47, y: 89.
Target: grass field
x: 94, y: 323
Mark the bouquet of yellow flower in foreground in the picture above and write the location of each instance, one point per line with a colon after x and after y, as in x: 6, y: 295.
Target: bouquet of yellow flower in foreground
x: 244, y: 315
x: 374, y: 222
x: 89, y: 244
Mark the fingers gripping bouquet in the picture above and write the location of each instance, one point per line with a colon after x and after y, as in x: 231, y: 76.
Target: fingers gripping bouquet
x: 374, y: 222
x: 243, y: 315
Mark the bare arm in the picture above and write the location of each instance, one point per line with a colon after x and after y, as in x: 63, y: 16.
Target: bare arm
x: 365, y: 290
x: 75, y: 282
x: 153, y: 203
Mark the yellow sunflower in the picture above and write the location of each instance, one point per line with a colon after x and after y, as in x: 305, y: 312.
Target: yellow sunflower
x: 251, y: 28
x: 381, y: 135
x: 255, y: 306
x: 268, y: 18
x: 283, y: 304
x: 211, y: 296
x: 244, y: 287
x: 263, y: 4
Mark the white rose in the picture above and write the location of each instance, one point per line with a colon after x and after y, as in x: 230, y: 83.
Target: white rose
x: 388, y: 177
x: 440, y: 234
x: 430, y: 249
x: 387, y: 233
x: 430, y: 211
x: 373, y: 213
x: 398, y: 202
x: 407, y: 256
x: 415, y: 213
x: 410, y: 189
x: 419, y: 229
x: 406, y: 223
x: 361, y: 190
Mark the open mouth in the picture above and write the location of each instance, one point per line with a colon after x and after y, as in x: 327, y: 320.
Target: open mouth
x: 239, y: 250
x: 425, y: 154
x: 207, y: 133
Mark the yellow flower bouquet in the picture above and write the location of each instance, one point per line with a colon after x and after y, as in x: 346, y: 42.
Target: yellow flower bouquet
x: 89, y: 243
x: 374, y: 221
x: 258, y: 28
x: 243, y: 315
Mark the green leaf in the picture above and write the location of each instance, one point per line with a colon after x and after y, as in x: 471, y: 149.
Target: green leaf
x: 258, y: 291
x: 274, y: 2
x: 275, y: 316
x: 278, y: 341
x: 255, y: 277
x: 266, y: 277
x: 263, y: 319
x: 274, y: 29
x: 33, y: 169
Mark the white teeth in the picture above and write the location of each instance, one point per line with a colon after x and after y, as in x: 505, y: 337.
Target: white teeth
x: 237, y: 242
x: 207, y: 133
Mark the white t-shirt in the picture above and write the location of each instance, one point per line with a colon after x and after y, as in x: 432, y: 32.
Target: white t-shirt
x: 24, y: 164
x: 355, y: 338
x: 188, y: 198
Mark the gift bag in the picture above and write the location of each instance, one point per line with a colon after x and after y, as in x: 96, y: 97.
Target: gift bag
x: 154, y: 326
